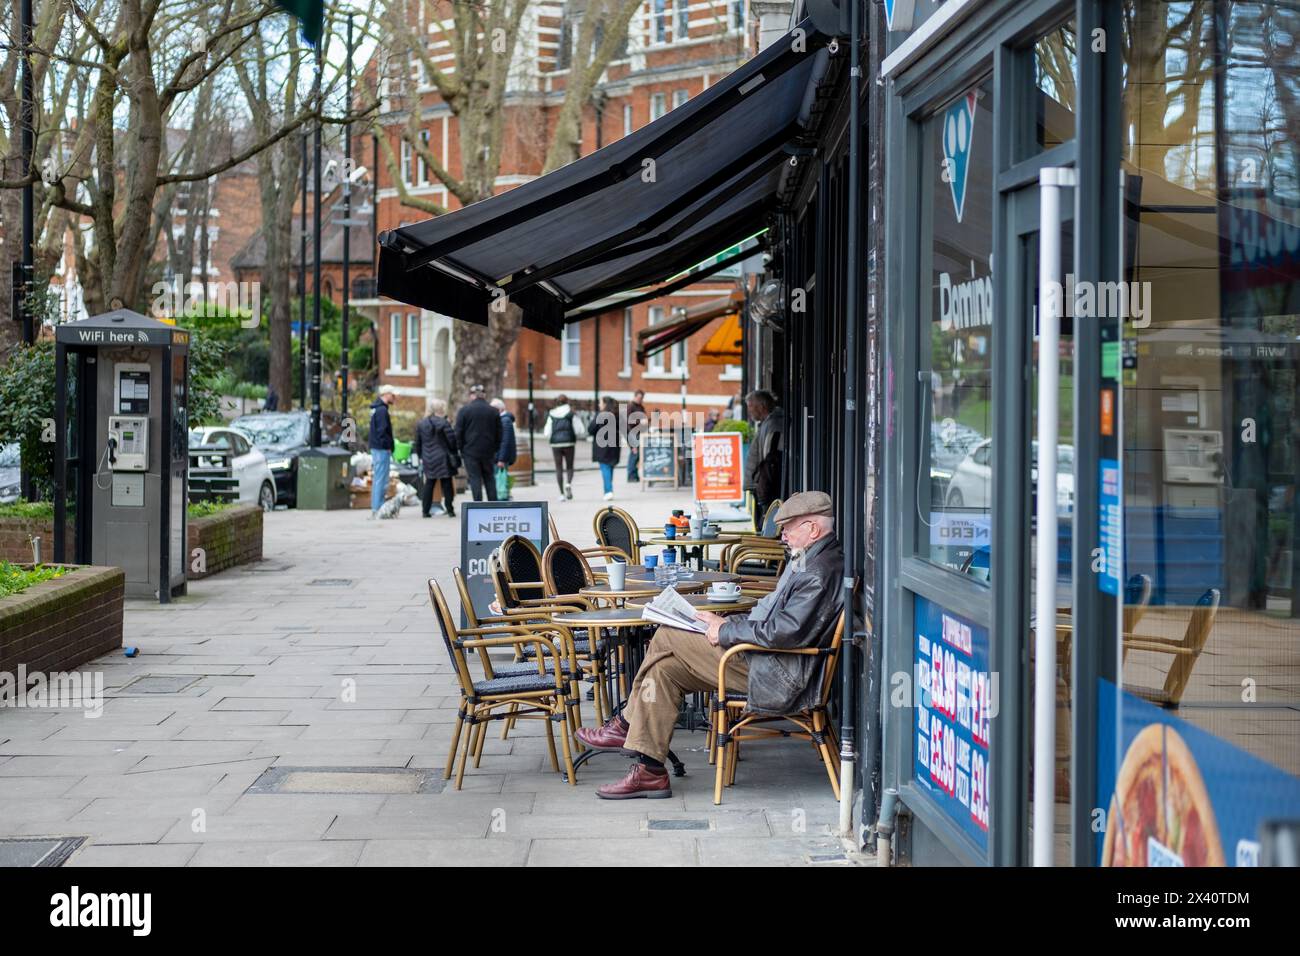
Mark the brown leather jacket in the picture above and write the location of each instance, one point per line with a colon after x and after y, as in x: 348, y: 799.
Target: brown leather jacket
x: 801, y: 612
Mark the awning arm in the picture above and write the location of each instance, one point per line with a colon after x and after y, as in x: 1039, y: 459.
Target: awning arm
x: 673, y: 286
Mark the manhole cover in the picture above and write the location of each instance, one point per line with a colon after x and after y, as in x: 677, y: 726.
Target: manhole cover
x: 155, y: 684
x: 347, y: 780
x: 330, y: 583
x: 51, y: 851
x: 678, y: 825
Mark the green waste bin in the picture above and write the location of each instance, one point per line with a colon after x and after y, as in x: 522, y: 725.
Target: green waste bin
x: 324, y: 479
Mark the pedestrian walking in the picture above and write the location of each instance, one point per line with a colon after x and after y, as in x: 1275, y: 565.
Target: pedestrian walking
x: 605, y: 442
x: 560, y: 432
x: 381, y: 446
x: 435, y: 448
x: 507, y: 453
x: 636, y: 420
x: 478, y: 435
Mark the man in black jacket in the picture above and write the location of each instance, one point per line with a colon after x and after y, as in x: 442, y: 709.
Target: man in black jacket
x: 507, y: 454
x: 801, y: 613
x: 478, y: 433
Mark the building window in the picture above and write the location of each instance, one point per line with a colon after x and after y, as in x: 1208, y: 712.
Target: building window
x: 406, y: 162
x: 627, y: 342
x: 661, y: 21
x: 395, y: 342
x: 655, y: 364
x: 571, y: 349
x: 738, y: 14
x: 413, y: 340
x: 682, y: 28
x: 680, y: 97
x: 658, y: 106
x: 730, y: 373
x: 422, y: 167
x: 627, y: 119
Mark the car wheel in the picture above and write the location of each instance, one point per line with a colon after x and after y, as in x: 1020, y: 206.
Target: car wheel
x: 266, y: 496
x: 954, y: 499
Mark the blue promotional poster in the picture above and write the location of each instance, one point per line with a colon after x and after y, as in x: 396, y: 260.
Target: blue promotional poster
x: 1175, y: 795
x: 954, y: 703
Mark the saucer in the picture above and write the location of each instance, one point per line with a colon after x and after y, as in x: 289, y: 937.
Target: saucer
x: 721, y: 598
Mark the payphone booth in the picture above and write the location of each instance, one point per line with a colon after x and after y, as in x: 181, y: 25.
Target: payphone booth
x: 122, y: 448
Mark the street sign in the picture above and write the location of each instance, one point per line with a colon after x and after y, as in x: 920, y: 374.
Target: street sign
x: 483, y: 526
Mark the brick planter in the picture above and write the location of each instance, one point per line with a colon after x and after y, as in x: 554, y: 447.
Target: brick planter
x: 16, y: 534
x: 60, y: 624
x: 231, y: 537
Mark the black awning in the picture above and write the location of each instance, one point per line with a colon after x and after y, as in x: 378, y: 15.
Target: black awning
x: 637, y: 212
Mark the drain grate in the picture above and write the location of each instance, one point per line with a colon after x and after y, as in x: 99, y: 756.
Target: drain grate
x: 46, y: 852
x: 330, y: 583
x: 158, y: 684
x: 347, y: 780
x: 678, y: 825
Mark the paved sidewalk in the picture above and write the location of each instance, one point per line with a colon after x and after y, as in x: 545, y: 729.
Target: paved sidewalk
x: 198, y: 769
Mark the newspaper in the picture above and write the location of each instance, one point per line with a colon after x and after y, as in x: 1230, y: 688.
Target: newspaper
x: 672, y: 609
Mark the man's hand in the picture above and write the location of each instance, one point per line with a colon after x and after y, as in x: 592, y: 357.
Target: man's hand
x: 715, y: 625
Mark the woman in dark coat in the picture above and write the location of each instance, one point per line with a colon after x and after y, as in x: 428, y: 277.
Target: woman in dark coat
x: 435, y: 446
x: 605, y: 442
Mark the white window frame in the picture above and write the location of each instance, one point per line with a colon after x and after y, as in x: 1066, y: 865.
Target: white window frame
x: 570, y: 337
x: 730, y: 373
x: 681, y: 20
x: 421, y: 167
x: 396, y: 322
x: 627, y: 119
x: 658, y: 105
x: 655, y: 367
x: 406, y: 162
x: 680, y: 97
x: 626, y: 370
x: 412, y: 341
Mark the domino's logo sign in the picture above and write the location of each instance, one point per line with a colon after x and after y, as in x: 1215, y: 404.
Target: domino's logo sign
x: 958, y: 137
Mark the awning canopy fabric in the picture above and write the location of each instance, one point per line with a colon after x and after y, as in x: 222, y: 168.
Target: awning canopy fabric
x: 724, y: 345
x: 637, y: 212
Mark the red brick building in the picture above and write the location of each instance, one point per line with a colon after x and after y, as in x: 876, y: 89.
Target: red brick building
x: 676, y: 49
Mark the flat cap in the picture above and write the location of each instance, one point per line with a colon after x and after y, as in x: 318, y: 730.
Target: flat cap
x: 803, y: 504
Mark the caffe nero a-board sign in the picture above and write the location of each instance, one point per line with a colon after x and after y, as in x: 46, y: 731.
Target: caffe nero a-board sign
x: 483, y: 526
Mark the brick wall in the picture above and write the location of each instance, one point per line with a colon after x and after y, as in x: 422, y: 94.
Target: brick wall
x: 229, y: 538
x: 60, y: 624
x: 16, y: 534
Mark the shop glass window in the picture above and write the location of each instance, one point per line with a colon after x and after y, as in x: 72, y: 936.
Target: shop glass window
x: 954, y: 486
x: 1209, y: 367
x: 1053, y: 94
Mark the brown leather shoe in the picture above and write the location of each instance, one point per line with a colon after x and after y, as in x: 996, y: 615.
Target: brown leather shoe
x: 611, y: 736
x: 641, y: 781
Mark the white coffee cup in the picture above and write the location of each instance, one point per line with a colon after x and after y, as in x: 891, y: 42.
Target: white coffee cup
x: 617, y: 571
x: 724, y: 589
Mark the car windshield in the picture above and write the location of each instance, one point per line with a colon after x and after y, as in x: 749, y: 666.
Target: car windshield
x: 9, y: 456
x: 274, y: 429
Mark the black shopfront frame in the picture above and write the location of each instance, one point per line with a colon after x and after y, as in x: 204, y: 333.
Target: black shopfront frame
x: 996, y: 39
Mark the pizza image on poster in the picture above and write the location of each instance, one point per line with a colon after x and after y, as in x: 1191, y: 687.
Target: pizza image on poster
x: 1161, y: 813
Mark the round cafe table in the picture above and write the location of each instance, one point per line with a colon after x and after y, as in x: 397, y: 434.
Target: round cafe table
x: 639, y: 589
x: 697, y: 546
x: 707, y: 577
x: 740, y: 602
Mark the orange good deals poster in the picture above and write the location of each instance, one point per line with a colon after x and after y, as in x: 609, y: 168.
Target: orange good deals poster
x: 717, y: 467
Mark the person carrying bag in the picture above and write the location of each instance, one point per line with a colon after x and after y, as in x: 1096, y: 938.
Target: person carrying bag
x: 436, y: 448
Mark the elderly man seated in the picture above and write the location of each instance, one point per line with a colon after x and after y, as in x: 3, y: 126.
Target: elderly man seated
x: 801, y: 612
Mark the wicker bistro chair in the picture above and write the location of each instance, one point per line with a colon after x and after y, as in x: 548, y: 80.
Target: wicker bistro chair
x: 615, y: 528
x: 731, y: 724
x: 1185, y: 651
x: 759, y: 552
x: 523, y: 561
x: 541, y: 695
x: 538, y: 616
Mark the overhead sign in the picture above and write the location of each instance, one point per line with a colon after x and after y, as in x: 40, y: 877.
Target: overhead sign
x: 718, y: 474
x: 483, y: 526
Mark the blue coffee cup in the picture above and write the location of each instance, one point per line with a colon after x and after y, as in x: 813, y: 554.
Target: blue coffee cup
x: 670, y: 556
x: 651, y: 561
x: 670, y: 531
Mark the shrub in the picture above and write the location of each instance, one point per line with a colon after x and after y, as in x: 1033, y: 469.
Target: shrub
x: 14, y: 580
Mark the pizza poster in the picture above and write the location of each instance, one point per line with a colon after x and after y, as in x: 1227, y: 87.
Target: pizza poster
x: 1176, y: 795
x: 955, y: 700
x: 718, y: 475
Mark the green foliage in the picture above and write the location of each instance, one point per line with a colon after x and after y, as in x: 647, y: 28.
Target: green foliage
x: 735, y: 425
x: 208, y: 357
x: 14, y: 580
x: 27, y: 409
x: 202, y: 509
x: 28, y: 509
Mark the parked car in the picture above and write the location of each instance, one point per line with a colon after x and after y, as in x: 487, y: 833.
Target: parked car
x: 256, y: 482
x: 10, y: 468
x: 282, y: 437
x: 950, y: 442
x: 971, y: 485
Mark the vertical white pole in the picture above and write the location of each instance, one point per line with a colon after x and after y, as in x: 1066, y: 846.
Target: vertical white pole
x: 1050, y: 308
